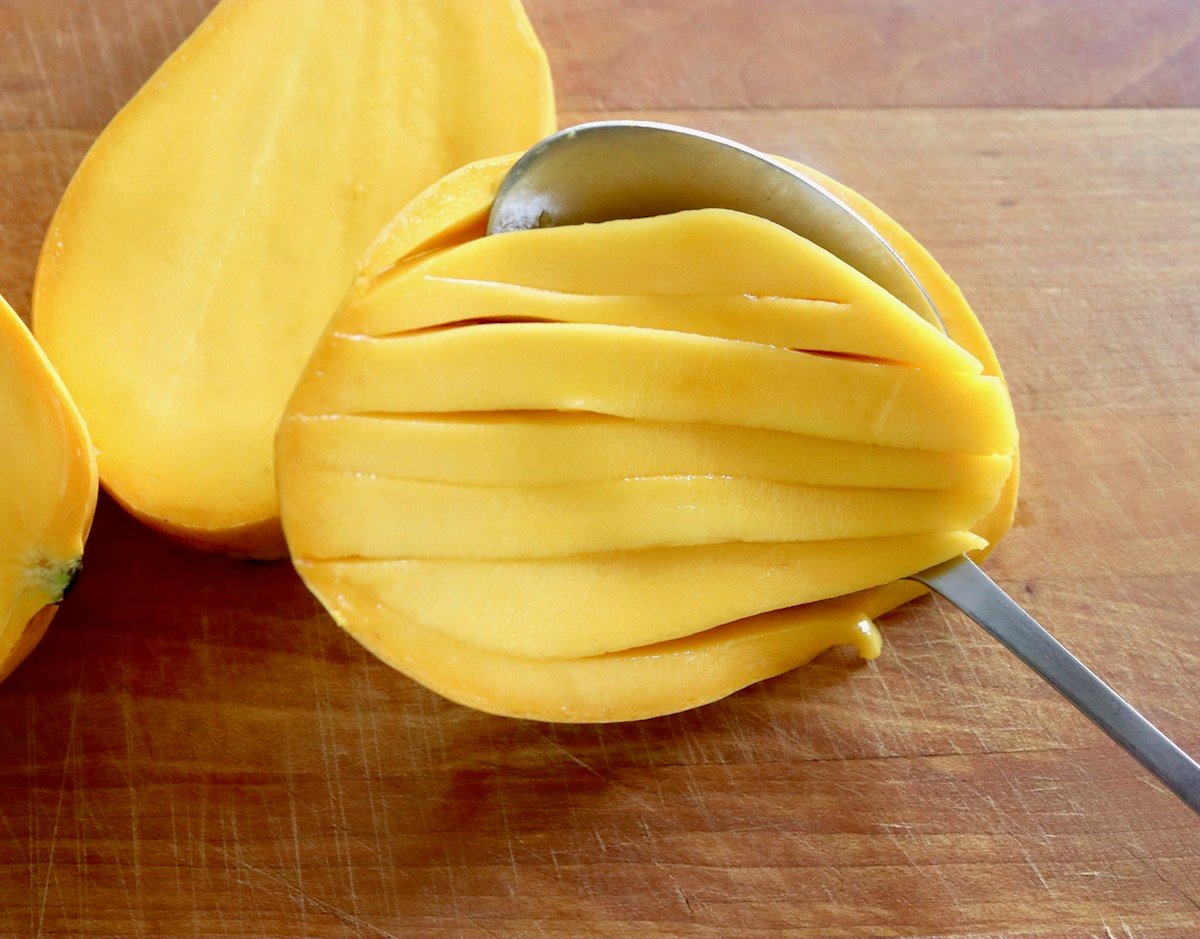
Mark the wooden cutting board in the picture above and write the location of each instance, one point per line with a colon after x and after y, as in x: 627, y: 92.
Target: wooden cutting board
x: 195, y: 749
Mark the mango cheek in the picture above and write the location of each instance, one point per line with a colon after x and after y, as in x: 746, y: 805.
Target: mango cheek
x: 613, y: 471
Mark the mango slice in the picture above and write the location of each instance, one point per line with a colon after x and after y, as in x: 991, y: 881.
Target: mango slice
x: 661, y: 376
x: 48, y: 486
x: 642, y: 682
x: 612, y: 471
x: 771, y: 288
x: 219, y: 219
x: 352, y: 515
x: 583, y: 447
x: 589, y: 604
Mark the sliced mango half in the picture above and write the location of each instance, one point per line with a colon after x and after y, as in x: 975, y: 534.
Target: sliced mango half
x: 610, y: 471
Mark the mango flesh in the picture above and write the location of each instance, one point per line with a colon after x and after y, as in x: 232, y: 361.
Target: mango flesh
x: 219, y: 219
x: 658, y: 375
x: 612, y: 471
x: 794, y: 298
x: 48, y: 488
x: 581, y: 447
x: 589, y: 604
x: 351, y: 514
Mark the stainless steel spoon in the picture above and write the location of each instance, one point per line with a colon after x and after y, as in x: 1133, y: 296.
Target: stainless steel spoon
x: 634, y: 169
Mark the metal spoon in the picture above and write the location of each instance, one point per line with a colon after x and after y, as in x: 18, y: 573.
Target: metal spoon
x: 634, y: 169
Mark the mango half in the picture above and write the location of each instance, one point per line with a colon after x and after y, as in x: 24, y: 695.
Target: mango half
x: 198, y: 252
x: 606, y: 472
x: 48, y: 488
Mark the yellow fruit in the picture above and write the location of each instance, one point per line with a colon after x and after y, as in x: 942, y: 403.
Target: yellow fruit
x: 790, y: 297
x: 610, y: 471
x: 637, y: 683
x: 588, y: 604
x: 659, y: 375
x: 219, y: 219
x: 581, y: 447
x: 47, y: 491
x: 353, y: 514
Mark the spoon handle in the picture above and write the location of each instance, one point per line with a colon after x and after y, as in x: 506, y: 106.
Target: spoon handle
x: 961, y: 582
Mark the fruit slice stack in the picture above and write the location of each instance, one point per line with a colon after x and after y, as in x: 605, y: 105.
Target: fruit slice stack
x: 609, y: 471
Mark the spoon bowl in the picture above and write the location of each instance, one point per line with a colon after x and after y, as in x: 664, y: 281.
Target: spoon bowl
x: 635, y: 169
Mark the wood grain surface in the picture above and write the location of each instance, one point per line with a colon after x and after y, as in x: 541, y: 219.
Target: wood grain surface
x: 196, y: 750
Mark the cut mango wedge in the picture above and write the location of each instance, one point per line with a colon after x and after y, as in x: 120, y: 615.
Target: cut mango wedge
x: 769, y: 287
x: 48, y: 485
x: 642, y: 682
x: 353, y: 515
x: 219, y: 219
x: 583, y: 447
x: 611, y: 471
x: 656, y: 375
x: 589, y: 604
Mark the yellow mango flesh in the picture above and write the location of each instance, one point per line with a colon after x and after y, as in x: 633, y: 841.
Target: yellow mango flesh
x: 353, y: 515
x: 768, y: 289
x: 582, y: 447
x: 219, y: 219
x: 48, y: 488
x: 661, y: 376
x: 567, y: 607
x: 637, y: 683
x: 549, y: 476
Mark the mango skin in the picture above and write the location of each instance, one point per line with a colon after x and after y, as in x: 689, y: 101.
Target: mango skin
x: 48, y: 488
x: 637, y: 682
x: 218, y: 220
